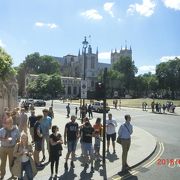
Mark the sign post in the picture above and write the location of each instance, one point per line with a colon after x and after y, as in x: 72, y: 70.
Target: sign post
x: 83, y: 89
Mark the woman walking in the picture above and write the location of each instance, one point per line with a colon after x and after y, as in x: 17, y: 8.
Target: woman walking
x: 24, y: 162
x: 55, y: 149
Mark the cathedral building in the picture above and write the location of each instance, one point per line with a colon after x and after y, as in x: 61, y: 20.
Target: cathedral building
x: 73, y: 66
x: 115, y: 56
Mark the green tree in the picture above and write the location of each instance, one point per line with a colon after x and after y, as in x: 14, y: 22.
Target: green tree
x: 168, y: 75
x: 36, y: 64
x: 45, y: 86
x: 126, y: 66
x: 6, y: 69
x: 145, y: 84
x: 48, y: 65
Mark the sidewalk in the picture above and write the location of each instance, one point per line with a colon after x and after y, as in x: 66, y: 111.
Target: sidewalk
x: 140, y: 149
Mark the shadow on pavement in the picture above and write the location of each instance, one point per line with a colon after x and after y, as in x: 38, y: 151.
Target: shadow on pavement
x: 112, y: 157
x: 103, y: 172
x: 86, y: 175
x: 68, y: 175
x: 127, y: 176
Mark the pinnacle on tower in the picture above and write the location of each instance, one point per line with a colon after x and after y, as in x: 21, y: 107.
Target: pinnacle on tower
x: 125, y: 45
x: 97, y: 50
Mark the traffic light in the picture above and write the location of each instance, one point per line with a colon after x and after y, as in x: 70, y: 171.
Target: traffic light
x: 100, y: 91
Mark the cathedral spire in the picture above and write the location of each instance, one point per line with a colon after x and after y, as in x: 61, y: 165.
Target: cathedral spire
x: 89, y: 49
x: 97, y: 50
x: 125, y: 44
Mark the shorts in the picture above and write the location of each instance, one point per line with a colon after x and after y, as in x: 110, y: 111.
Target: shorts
x: 88, y: 149
x: 38, y: 145
x: 71, y: 146
x: 111, y: 136
x: 45, y: 138
x: 96, y: 147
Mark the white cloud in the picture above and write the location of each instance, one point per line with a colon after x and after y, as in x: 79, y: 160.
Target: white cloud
x: 104, y: 55
x: 49, y: 25
x: 108, y: 7
x: 52, y: 26
x: 146, y: 69
x: 39, y: 24
x: 173, y: 4
x: 92, y: 14
x: 2, y: 44
x: 145, y: 9
x: 167, y: 58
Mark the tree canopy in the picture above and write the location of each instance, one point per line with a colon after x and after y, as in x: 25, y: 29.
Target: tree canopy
x: 36, y: 64
x: 6, y: 69
x: 168, y: 75
x: 45, y: 86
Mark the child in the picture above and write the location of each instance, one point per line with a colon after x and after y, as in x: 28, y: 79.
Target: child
x: 24, y: 162
x: 55, y: 149
x: 97, y: 145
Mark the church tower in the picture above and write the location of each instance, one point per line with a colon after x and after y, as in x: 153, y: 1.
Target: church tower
x: 124, y: 52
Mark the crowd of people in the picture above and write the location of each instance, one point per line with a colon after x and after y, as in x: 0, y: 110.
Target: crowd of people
x: 157, y: 107
x: 84, y: 110
x: 24, y: 154
x: 163, y: 108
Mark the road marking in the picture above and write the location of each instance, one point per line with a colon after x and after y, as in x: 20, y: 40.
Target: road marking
x: 156, y: 157
x: 134, y: 172
x: 175, y: 163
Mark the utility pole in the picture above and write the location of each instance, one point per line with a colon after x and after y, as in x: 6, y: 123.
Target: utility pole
x: 84, y: 86
x: 104, y: 117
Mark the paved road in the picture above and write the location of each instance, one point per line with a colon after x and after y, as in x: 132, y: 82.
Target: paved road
x: 166, y: 128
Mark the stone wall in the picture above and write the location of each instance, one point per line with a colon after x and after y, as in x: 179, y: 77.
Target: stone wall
x: 8, y: 95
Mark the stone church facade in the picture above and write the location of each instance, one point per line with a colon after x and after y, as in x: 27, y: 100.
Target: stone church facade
x: 73, y: 69
x: 8, y: 94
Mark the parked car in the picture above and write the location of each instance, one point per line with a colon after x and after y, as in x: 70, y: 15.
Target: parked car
x: 39, y: 102
x: 98, y: 107
x: 29, y: 101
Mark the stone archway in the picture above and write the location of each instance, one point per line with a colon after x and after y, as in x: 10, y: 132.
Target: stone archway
x: 13, y: 97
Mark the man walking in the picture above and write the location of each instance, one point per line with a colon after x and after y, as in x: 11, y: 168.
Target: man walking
x: 46, y: 124
x: 68, y: 110
x: 87, y: 133
x: 38, y: 137
x: 111, y: 125
x: 124, y: 133
x: 23, y: 121
x: 31, y: 123
x: 71, y: 135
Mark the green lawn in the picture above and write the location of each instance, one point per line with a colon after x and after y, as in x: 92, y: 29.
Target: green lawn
x: 135, y: 102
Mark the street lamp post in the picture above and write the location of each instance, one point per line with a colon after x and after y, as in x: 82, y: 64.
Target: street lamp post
x: 85, y: 45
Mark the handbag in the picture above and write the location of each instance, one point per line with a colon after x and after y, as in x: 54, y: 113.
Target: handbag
x: 118, y: 140
x: 14, y: 158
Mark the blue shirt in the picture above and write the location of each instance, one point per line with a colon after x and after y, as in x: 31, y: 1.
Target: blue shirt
x: 125, y: 131
x: 46, y: 125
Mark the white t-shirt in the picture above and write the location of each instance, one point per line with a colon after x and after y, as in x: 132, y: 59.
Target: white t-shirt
x: 25, y: 158
x: 111, y: 126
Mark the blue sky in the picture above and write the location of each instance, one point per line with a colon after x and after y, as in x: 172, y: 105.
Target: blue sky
x: 58, y: 27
